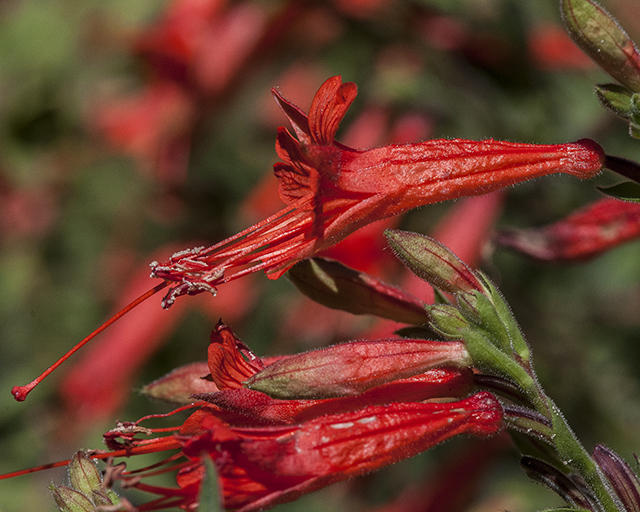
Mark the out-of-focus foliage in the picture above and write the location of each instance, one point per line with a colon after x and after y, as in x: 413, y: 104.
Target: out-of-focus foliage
x: 114, y: 152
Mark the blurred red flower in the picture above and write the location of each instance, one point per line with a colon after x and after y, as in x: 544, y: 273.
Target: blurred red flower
x: 585, y: 234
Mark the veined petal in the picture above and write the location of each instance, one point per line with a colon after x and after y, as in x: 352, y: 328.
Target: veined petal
x: 351, y: 368
x: 296, y: 116
x: 227, y: 365
x: 261, y: 467
x: 296, y: 178
x: 328, y: 108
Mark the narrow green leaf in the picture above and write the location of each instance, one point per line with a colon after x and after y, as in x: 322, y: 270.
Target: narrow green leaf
x: 337, y: 286
x: 209, y: 491
x: 627, y: 191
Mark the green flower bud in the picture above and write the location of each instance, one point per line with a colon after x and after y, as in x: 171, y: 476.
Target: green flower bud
x: 70, y: 500
x: 432, y: 261
x: 84, y: 474
x: 600, y: 36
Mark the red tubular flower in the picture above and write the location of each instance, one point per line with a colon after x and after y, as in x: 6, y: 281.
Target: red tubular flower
x: 273, y: 465
x: 345, y: 369
x: 256, y: 408
x: 585, y: 234
x: 370, y: 375
x: 351, y: 368
x: 260, y: 467
x: 332, y: 190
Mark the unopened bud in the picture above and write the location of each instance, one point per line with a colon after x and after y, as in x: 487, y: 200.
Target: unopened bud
x: 177, y: 387
x: 70, y: 500
x: 448, y: 321
x: 84, y: 474
x: 623, y: 103
x: 600, y: 36
x: 352, y: 368
x: 433, y: 262
x: 624, y: 481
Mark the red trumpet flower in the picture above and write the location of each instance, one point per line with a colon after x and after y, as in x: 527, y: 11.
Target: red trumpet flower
x: 332, y: 190
x: 337, y: 379
x: 262, y: 466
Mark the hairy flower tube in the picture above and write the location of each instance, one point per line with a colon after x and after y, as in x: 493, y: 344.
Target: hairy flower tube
x: 332, y: 190
x: 333, y: 380
x: 268, y: 450
x: 259, y: 467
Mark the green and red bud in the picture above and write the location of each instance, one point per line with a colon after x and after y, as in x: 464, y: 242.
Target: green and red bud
x: 87, y: 492
x: 433, y: 262
x: 70, y: 500
x: 352, y: 368
x: 624, y: 481
x: 601, y: 37
x: 83, y: 474
x: 177, y: 386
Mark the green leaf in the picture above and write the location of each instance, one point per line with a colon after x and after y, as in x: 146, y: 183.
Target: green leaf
x: 627, y: 191
x: 209, y: 491
x: 622, y: 102
x: 616, y: 98
x: 337, y: 286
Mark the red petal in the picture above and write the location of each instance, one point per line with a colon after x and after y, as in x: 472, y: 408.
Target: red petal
x: 258, y: 407
x: 261, y: 467
x: 227, y: 365
x: 329, y: 106
x: 297, y: 117
x: 296, y: 179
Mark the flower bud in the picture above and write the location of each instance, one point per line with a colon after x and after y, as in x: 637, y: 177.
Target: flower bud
x: 600, y: 36
x: 624, y: 481
x: 433, y: 262
x: 177, y: 386
x: 448, y: 321
x: 567, y: 488
x: 70, y: 500
x: 83, y: 474
x: 352, y: 368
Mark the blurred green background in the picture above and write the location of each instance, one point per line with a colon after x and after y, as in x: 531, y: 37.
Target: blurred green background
x: 87, y: 195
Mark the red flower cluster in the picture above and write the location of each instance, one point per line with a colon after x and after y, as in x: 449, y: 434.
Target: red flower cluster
x: 268, y: 450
